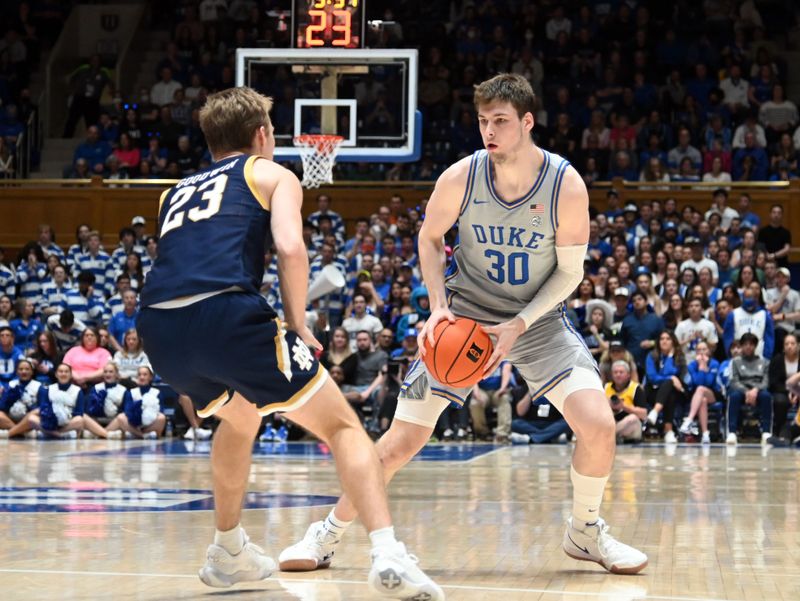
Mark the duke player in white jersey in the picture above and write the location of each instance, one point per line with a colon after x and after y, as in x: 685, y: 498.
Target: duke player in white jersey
x: 523, y: 219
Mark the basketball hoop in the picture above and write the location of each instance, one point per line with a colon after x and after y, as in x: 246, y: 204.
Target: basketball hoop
x: 318, y: 153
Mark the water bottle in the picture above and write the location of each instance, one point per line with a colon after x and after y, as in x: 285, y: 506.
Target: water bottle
x: 168, y: 433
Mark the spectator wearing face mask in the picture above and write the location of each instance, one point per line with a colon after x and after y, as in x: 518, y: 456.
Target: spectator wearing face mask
x: 751, y: 318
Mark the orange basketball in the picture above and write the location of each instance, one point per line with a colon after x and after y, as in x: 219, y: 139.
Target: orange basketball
x: 459, y: 353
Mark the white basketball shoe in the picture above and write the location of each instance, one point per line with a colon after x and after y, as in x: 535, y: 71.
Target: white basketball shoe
x: 314, y: 552
x: 223, y: 569
x: 396, y: 575
x: 594, y: 543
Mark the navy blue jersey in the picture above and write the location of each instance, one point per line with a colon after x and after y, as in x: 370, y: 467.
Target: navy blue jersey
x: 214, y: 227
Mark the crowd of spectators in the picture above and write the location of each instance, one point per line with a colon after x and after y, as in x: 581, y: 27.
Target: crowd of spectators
x: 690, y: 315
x: 70, y: 357
x: 681, y: 308
x: 26, y: 28
x: 672, y: 92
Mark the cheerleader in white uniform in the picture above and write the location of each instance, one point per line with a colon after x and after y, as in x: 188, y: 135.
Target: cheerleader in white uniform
x: 60, y: 407
x: 104, y: 403
x: 142, y: 415
x: 19, y: 399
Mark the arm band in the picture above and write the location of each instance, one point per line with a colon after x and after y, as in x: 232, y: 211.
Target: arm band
x: 566, y: 277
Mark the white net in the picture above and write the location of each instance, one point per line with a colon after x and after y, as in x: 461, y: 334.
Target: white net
x: 318, y: 153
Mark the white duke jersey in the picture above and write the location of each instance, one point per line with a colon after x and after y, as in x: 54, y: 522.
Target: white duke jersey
x: 506, y: 248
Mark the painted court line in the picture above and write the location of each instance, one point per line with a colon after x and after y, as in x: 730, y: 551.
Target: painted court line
x: 610, y: 594
x: 435, y: 501
x: 487, y: 454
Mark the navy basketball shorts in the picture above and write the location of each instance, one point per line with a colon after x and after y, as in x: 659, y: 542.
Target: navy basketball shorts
x: 231, y: 342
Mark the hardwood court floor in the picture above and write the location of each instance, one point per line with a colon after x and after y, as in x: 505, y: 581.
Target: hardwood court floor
x: 129, y: 520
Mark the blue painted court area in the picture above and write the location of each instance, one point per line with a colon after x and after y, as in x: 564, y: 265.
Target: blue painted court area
x: 85, y: 498
x: 292, y: 450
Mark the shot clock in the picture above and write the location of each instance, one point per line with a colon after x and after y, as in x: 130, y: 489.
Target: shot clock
x: 328, y: 23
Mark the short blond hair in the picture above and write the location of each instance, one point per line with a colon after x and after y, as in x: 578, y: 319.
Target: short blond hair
x: 230, y: 118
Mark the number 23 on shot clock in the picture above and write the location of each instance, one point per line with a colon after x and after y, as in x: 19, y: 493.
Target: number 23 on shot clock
x: 328, y: 23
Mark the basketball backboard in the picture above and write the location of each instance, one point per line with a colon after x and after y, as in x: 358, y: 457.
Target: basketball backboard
x: 369, y: 97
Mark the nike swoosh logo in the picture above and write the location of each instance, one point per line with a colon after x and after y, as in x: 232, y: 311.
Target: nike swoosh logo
x: 577, y: 545
x: 479, y: 202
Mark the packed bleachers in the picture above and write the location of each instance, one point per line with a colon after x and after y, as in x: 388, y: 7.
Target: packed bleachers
x: 671, y: 292
x: 26, y: 29
x: 642, y: 94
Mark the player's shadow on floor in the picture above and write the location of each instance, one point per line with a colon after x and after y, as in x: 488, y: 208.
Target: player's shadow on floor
x: 263, y: 594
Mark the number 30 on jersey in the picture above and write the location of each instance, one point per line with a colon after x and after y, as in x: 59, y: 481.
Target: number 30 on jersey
x: 212, y: 191
x: 511, y: 268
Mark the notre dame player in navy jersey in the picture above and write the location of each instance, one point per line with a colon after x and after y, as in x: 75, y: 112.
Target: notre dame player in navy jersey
x: 212, y: 336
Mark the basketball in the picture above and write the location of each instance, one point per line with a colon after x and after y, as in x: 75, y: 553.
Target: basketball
x: 459, y: 353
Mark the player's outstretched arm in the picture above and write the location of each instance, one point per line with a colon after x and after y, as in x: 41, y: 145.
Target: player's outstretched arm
x: 572, y: 240
x: 440, y: 215
x: 283, y: 189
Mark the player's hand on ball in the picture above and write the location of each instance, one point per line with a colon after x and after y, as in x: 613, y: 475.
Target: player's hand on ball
x: 505, y: 335
x: 426, y: 332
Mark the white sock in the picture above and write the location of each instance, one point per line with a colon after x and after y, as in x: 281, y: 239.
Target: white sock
x: 587, y: 494
x: 335, y: 526
x: 230, y: 540
x: 383, y: 537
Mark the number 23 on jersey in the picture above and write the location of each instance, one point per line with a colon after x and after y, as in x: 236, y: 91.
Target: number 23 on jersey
x: 209, y: 203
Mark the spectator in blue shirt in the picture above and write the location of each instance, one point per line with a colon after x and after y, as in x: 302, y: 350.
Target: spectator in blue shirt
x: 623, y: 167
x: 703, y: 380
x: 93, y: 150
x: 666, y: 369
x: 8, y: 279
x: 32, y: 273
x: 124, y: 320
x: 47, y: 236
x: 640, y: 329
x: 109, y: 130
x: 751, y: 317
x: 750, y: 163
x: 352, y: 246
x: 684, y: 149
x: 324, y: 208
x: 96, y: 261
x: 598, y: 248
x: 66, y: 330
x: 700, y: 86
x: 26, y: 327
x: 9, y: 357
x: 612, y: 204
x: 716, y: 130
x: 749, y: 219
x: 87, y: 305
